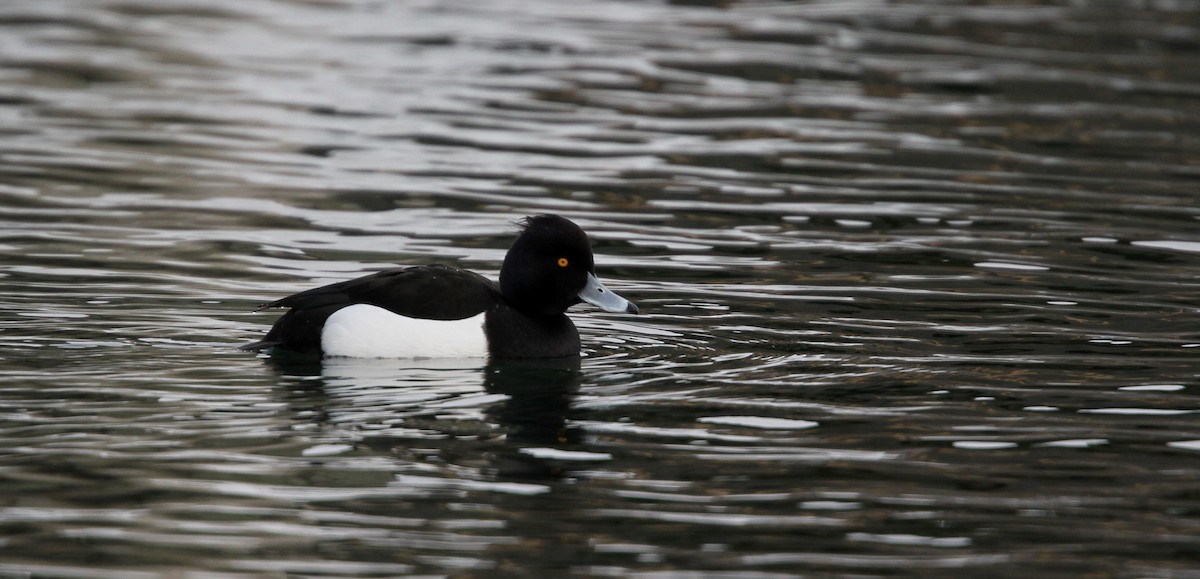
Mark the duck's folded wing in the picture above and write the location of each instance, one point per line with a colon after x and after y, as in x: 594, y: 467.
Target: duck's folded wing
x: 433, y: 292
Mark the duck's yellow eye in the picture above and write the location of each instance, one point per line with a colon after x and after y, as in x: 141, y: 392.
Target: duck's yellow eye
x: 563, y: 262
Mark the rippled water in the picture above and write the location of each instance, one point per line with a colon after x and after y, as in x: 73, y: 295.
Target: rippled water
x: 918, y: 284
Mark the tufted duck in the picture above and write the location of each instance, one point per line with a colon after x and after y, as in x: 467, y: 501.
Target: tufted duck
x: 441, y: 311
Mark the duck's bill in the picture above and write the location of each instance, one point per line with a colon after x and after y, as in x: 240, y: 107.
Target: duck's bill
x: 596, y: 294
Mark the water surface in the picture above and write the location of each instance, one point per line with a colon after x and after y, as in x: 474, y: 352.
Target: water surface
x: 917, y: 282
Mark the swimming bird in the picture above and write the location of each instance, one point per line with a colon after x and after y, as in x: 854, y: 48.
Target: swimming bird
x: 442, y: 311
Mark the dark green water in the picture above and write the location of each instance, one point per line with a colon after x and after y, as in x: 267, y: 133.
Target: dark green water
x: 918, y: 283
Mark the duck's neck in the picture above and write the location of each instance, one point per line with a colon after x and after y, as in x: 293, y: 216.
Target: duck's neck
x: 514, y: 334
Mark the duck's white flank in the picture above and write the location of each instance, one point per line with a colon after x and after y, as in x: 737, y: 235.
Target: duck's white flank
x: 366, y: 331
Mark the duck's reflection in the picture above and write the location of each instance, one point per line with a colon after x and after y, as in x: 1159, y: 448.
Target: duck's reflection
x: 538, y: 398
x: 534, y: 413
x: 450, y: 406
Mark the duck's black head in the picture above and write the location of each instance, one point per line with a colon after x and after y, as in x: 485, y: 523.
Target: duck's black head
x: 550, y: 267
